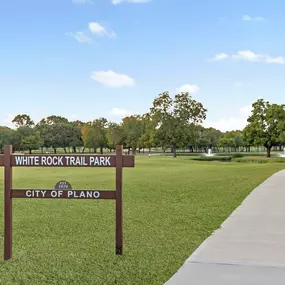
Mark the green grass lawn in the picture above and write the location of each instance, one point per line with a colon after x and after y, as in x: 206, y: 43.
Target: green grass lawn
x: 170, y: 207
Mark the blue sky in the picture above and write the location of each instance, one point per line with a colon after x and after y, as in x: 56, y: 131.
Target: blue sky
x: 85, y: 59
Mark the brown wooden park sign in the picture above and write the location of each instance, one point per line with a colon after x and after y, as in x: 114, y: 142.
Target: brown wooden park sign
x: 62, y: 189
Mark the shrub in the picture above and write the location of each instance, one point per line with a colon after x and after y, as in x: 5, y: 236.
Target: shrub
x: 214, y: 158
x: 236, y: 155
x: 260, y: 160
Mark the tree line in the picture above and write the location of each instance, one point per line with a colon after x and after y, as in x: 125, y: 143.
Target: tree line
x: 174, y: 123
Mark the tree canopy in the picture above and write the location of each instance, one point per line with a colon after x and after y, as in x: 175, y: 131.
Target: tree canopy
x: 174, y: 117
x: 172, y: 122
x: 266, y: 125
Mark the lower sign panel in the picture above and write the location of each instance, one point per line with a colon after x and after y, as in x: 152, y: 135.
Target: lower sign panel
x: 63, y: 194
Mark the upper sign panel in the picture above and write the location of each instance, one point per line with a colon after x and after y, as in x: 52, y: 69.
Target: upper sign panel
x: 70, y: 160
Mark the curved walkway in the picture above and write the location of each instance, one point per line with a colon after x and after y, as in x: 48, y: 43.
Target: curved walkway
x: 248, y: 248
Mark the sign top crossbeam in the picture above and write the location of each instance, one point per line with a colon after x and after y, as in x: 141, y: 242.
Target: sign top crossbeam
x: 67, y: 160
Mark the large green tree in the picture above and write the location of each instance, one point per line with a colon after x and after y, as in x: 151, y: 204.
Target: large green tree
x: 75, y: 129
x: 23, y: 120
x: 58, y: 132
x: 132, y: 128
x: 6, y: 137
x: 265, y: 125
x: 231, y: 139
x: 148, y: 136
x: 174, y: 116
x: 96, y: 135
x: 114, y: 135
x: 205, y: 137
x: 30, y: 139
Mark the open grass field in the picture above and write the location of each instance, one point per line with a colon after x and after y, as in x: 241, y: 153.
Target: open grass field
x: 169, y: 207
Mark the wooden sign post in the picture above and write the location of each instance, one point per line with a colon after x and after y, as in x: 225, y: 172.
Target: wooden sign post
x: 63, y: 189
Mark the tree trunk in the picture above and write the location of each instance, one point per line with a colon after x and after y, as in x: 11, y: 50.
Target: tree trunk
x: 133, y: 150
x: 64, y: 150
x: 101, y: 149
x: 54, y: 149
x: 174, y: 150
x: 30, y: 151
x: 268, y: 149
x: 74, y: 149
x: 149, y: 150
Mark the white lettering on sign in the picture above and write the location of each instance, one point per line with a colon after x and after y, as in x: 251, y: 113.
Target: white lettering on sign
x: 100, y: 160
x: 36, y: 193
x: 79, y: 160
x: 72, y: 160
x: 51, y: 160
x: 83, y: 194
x: 27, y: 160
x: 54, y: 160
x: 96, y: 194
x: 89, y: 194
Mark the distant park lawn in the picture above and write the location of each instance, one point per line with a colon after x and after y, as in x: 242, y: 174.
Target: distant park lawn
x: 170, y: 207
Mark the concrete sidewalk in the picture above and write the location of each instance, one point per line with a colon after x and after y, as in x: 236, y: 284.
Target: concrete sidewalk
x: 249, y: 248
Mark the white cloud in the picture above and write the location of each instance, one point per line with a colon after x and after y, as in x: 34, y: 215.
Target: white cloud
x: 237, y: 122
x: 115, y: 2
x: 82, y: 1
x: 100, y: 30
x: 248, y: 55
x: 112, y: 79
x: 253, y: 19
x: 95, y: 29
x: 221, y: 56
x: 120, y: 112
x: 188, y: 88
x: 80, y: 37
